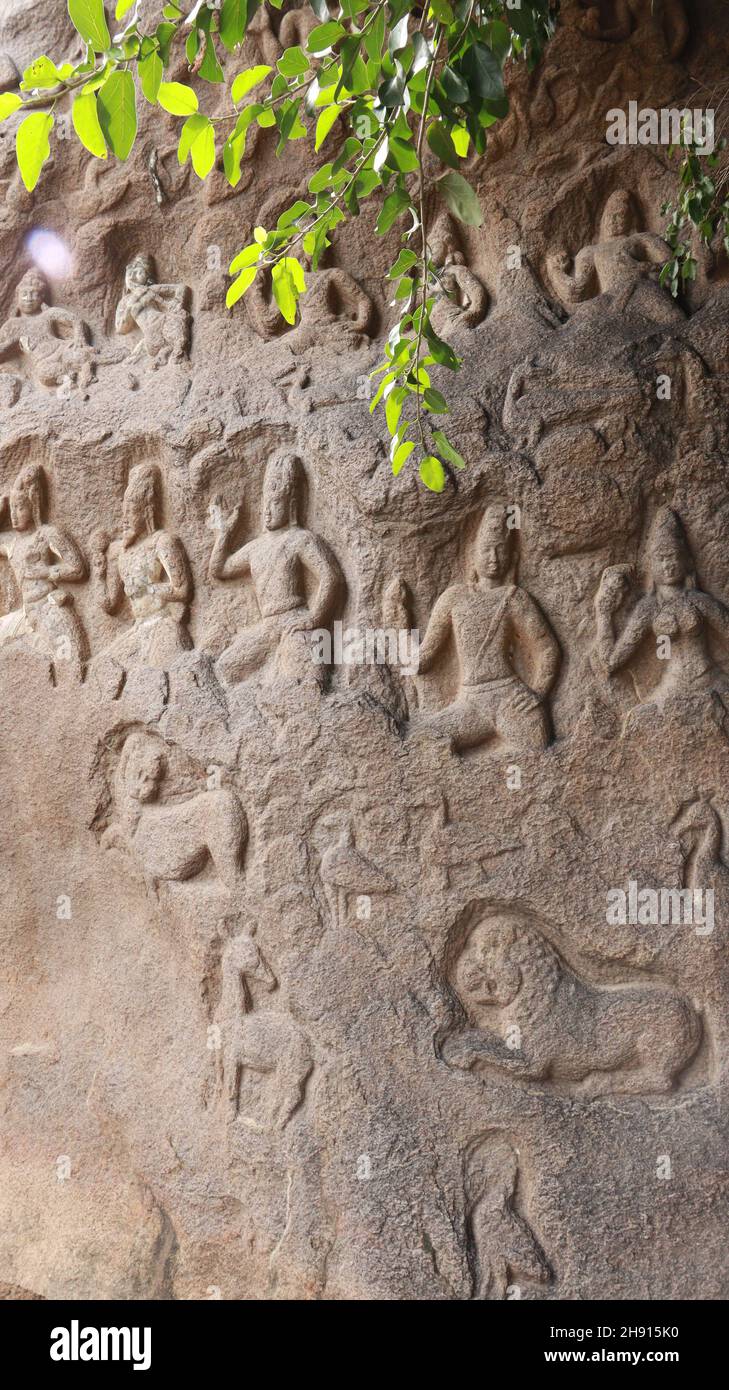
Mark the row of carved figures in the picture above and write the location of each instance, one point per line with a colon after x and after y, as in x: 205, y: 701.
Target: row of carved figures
x: 497, y: 627
x: 336, y: 313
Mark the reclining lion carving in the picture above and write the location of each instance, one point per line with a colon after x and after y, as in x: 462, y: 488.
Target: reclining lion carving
x: 531, y: 1016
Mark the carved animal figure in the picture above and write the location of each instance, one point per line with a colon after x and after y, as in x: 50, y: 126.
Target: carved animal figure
x: 502, y: 1246
x: 269, y: 1065
x: 345, y: 871
x: 533, y: 1017
x: 173, y: 842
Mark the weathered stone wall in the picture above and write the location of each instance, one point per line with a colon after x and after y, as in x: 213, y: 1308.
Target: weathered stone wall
x: 310, y: 983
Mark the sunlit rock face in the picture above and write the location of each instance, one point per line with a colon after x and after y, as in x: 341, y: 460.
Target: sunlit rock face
x: 365, y: 884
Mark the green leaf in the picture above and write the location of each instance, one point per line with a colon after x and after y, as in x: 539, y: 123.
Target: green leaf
x: 202, y: 150
x: 287, y: 279
x: 32, y: 146
x: 394, y: 204
x: 393, y: 407
x: 405, y: 261
x: 441, y: 144
x: 324, y: 36
x: 233, y: 22
x: 433, y: 400
x: 432, y: 473
x: 246, y: 81
x: 151, y: 72
x: 9, y: 102
x: 85, y: 118
x: 210, y: 69
x: 239, y: 286
x: 324, y: 124
x: 447, y: 450
x: 482, y: 71
x: 117, y: 107
x: 461, y: 140
x: 293, y: 62
x: 248, y: 256
x: 88, y: 18
x: 176, y: 98
x: 402, y: 453
x: 454, y: 86
x: 460, y: 198
x: 189, y: 133
x: 41, y: 73
x: 122, y: 7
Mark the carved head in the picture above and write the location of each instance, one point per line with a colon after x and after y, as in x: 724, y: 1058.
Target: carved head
x: 494, y: 544
x: 486, y: 973
x: 280, y: 492
x: 140, y: 507
x: 618, y: 216
x: 32, y: 292
x: 139, y: 272
x: 142, y: 767
x: 669, y: 557
x: 27, y: 498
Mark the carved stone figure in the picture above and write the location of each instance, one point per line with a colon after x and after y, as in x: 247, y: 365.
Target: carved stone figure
x: 675, y: 614
x: 157, y: 312
x: 345, y: 872
x: 488, y: 617
x: 503, y: 1249
x: 55, y: 341
x: 623, y: 264
x: 532, y: 1017
x: 613, y: 21
x: 279, y: 563
x: 173, y: 841
x: 448, y: 845
x: 335, y: 313
x: 42, y: 558
x: 463, y: 301
x: 148, y: 568
x: 269, y: 1064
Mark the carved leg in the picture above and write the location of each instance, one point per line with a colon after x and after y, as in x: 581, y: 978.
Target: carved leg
x: 246, y: 654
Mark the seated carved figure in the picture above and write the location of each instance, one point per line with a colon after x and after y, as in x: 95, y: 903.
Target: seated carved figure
x: 675, y: 609
x: 279, y: 563
x: 173, y: 841
x: 613, y: 21
x: 148, y: 567
x: 156, y: 311
x: 463, y: 300
x: 623, y: 264
x: 55, y: 341
x: 488, y: 618
x: 335, y: 313
x: 532, y: 1017
x: 42, y: 557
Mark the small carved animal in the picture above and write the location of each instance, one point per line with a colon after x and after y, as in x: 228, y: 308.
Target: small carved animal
x: 502, y: 1246
x: 173, y: 842
x: 533, y: 1017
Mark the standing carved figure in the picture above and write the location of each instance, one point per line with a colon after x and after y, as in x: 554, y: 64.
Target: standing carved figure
x: 488, y: 618
x: 158, y: 312
x: 55, y: 341
x: 149, y: 568
x: 279, y: 563
x: 675, y: 609
x: 502, y: 1246
x: 42, y: 557
x: 623, y: 264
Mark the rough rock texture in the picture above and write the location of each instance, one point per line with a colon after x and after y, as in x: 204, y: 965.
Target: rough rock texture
x: 309, y: 984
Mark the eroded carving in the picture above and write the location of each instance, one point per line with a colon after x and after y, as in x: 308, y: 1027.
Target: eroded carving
x: 157, y: 312
x: 55, y: 342
x: 503, y: 1249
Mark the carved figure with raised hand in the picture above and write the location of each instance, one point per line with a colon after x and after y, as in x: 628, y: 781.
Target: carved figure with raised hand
x: 156, y: 311
x: 346, y: 873
x: 283, y: 563
x: 675, y: 612
x: 623, y: 264
x: 532, y: 1017
x: 173, y: 841
x: 42, y: 557
x: 148, y: 567
x: 489, y: 617
x: 55, y: 341
x: 503, y: 1249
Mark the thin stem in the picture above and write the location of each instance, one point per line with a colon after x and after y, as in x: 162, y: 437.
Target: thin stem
x: 438, y: 36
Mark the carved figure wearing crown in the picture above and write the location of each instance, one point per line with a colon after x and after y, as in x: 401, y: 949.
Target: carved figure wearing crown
x: 42, y: 557
x: 149, y: 568
x: 283, y: 563
x: 489, y: 618
x: 55, y: 341
x: 157, y: 311
x: 675, y: 607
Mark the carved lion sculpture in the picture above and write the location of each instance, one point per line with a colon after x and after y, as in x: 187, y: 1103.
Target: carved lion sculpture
x: 176, y: 840
x: 532, y: 1016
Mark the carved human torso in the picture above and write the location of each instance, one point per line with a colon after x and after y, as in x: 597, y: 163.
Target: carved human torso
x: 276, y: 560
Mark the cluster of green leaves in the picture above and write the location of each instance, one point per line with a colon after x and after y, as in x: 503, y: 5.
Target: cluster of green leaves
x: 702, y: 204
x: 413, y: 85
